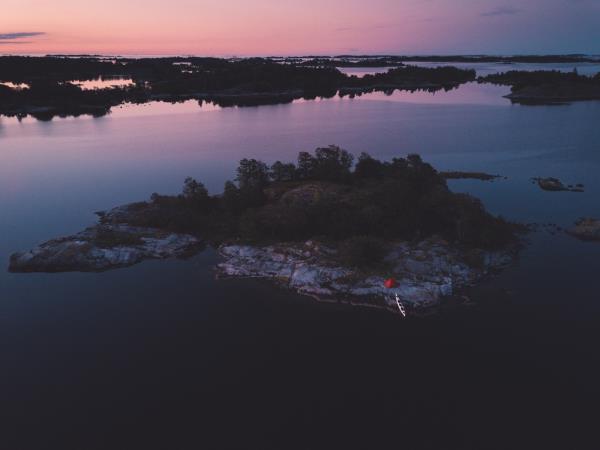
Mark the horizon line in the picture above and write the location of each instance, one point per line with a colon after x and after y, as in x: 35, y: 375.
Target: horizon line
x: 313, y: 55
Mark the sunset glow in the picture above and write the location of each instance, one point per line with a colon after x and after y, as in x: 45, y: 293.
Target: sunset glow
x: 268, y: 27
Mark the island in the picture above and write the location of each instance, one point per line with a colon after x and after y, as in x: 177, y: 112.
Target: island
x: 324, y: 227
x: 45, y: 87
x: 348, y: 61
x: 398, y: 60
x: 586, y: 229
x: 547, y: 87
x: 555, y: 185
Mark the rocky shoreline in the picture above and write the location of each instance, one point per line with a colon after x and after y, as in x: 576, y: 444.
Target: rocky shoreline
x: 425, y: 272
x: 382, y: 235
x: 586, y: 229
x: 555, y: 185
x: 111, y: 244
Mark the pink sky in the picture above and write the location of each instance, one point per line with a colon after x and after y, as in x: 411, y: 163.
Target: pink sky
x: 264, y: 27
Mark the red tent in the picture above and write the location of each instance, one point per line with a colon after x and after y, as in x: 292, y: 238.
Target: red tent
x: 390, y: 283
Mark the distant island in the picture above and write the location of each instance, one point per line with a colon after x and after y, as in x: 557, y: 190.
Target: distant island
x: 324, y: 226
x: 547, y: 87
x: 394, y: 60
x: 47, y: 86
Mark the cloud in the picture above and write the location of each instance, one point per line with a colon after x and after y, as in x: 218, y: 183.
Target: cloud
x: 15, y: 37
x: 502, y: 11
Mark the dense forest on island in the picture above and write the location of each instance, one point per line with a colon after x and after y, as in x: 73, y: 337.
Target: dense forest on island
x: 547, y: 86
x: 325, y: 195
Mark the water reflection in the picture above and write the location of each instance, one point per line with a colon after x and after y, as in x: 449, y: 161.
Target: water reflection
x: 14, y: 85
x: 104, y: 83
x: 468, y: 93
x: 362, y: 71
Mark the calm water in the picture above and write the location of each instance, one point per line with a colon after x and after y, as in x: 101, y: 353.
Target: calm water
x: 161, y: 355
x: 103, y: 83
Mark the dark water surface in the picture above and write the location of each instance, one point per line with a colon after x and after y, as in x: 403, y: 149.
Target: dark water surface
x: 162, y: 356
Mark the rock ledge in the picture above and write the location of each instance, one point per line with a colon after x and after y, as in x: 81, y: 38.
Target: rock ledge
x: 426, y: 271
x: 586, y: 229
x: 108, y: 245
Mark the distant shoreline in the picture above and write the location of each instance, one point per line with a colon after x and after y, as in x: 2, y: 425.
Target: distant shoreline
x: 531, y: 58
x: 45, y: 87
x: 48, y: 87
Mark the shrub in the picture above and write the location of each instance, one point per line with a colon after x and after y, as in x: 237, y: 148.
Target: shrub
x: 107, y: 238
x: 362, y: 251
x: 368, y: 167
x: 276, y: 222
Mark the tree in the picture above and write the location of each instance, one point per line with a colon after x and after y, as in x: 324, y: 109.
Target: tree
x: 306, y: 165
x: 414, y: 160
x: 252, y: 177
x: 252, y: 174
x: 332, y: 163
x: 282, y: 172
x: 231, y: 197
x: 195, y: 194
x: 368, y: 167
x: 194, y: 190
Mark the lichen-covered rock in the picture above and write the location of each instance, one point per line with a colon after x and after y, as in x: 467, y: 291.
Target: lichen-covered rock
x: 103, y: 247
x: 426, y: 271
x: 587, y: 229
x: 554, y: 184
